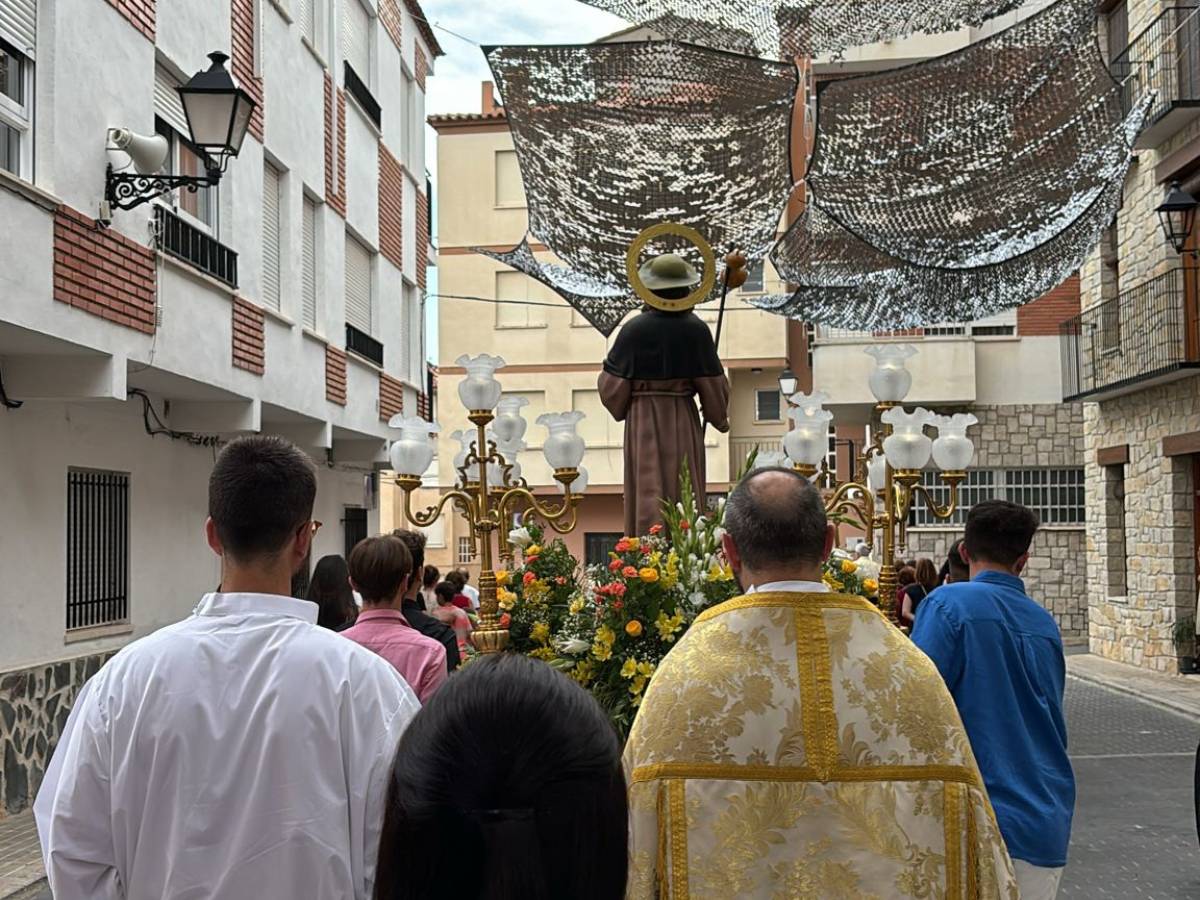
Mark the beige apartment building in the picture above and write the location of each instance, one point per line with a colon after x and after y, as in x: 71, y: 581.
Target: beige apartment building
x: 1006, y: 369
x: 1132, y: 356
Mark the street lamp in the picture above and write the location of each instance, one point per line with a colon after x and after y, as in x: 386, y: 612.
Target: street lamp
x: 218, y: 114
x: 788, y: 383
x: 490, y: 491
x: 1177, y: 214
x: 879, y: 495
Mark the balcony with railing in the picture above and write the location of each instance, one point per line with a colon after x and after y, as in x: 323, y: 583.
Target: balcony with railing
x: 1165, y: 57
x: 1143, y: 336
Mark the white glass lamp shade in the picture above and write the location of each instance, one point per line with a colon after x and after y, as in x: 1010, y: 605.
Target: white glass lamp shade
x: 877, y: 472
x: 412, y: 452
x: 890, y: 380
x: 217, y: 110
x: 479, y: 390
x: 466, y: 440
x: 510, y: 425
x: 579, y: 485
x: 510, y: 450
x: 771, y: 459
x: 907, y: 447
x: 808, y: 441
x: 953, y: 450
x: 564, y: 447
x: 808, y: 403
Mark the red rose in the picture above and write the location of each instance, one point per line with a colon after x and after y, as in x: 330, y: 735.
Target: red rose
x: 529, y: 578
x: 615, y: 565
x: 618, y: 604
x: 684, y: 525
x: 656, y: 529
x: 504, y: 620
x: 618, y: 589
x: 560, y: 580
x: 622, y: 545
x: 629, y: 572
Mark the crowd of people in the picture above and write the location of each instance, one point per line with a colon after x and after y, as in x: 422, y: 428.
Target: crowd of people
x: 267, y: 747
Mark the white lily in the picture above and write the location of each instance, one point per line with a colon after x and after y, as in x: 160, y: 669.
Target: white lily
x: 520, y: 537
x: 574, y: 646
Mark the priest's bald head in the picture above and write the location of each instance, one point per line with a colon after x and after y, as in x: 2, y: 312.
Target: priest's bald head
x: 776, y: 529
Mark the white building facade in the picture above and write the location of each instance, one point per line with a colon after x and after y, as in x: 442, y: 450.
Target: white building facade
x: 288, y: 299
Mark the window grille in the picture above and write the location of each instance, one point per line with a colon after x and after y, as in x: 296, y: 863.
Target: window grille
x: 1055, y: 495
x: 466, y: 550
x: 97, y: 548
x: 766, y: 406
x: 597, y: 544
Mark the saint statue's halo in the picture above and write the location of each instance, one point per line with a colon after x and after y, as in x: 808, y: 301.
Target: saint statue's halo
x: 688, y: 234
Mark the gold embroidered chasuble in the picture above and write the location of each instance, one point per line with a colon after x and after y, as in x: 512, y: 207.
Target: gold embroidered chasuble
x: 799, y: 746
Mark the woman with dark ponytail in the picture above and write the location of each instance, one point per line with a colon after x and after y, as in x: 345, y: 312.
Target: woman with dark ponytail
x: 506, y: 786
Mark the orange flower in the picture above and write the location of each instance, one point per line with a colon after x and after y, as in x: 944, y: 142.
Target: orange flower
x: 649, y: 574
x: 623, y: 545
x: 504, y: 620
x: 684, y: 525
x: 615, y: 565
x: 633, y: 628
x: 629, y: 572
x: 529, y: 579
x: 656, y: 528
x: 560, y: 580
x: 617, y: 589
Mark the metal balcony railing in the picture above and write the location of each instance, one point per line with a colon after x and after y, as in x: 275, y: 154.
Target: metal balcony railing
x: 1165, y: 57
x: 741, y: 448
x: 1148, y: 332
x: 185, y: 241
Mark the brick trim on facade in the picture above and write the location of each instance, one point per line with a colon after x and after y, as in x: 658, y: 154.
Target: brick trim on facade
x: 335, y: 375
x: 424, y: 407
x: 391, y: 397
x: 422, y: 237
x: 1043, y: 316
x: 420, y: 67
x: 141, y: 14
x: 242, y: 19
x: 392, y: 21
x: 391, y: 208
x: 103, y: 272
x: 249, y: 336
x: 335, y: 148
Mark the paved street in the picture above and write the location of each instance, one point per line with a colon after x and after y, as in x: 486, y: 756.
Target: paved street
x: 1135, y: 832
x: 1135, y: 828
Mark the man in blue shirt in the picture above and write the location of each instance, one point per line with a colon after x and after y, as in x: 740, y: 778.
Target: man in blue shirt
x: 1001, y: 656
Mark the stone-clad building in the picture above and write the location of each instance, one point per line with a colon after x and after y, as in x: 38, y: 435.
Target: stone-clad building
x: 1133, y: 353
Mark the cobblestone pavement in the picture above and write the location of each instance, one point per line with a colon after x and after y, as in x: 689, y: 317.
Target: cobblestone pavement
x: 1135, y: 828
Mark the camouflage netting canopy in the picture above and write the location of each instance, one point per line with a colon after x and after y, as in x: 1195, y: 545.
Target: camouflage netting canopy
x: 782, y: 29
x: 612, y: 138
x: 955, y: 188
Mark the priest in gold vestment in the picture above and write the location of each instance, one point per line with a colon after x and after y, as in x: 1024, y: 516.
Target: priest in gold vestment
x: 796, y: 745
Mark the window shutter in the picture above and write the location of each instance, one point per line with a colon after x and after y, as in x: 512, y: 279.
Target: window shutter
x: 308, y: 269
x: 356, y: 33
x: 270, y: 269
x: 358, y: 285
x: 306, y: 18
x: 18, y: 22
x: 167, y: 104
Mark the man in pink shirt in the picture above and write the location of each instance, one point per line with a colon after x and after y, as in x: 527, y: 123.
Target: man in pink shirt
x: 380, y: 569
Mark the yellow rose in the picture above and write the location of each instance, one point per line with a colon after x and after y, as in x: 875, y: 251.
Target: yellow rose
x: 649, y: 575
x: 848, y: 567
x: 532, y: 550
x: 871, y: 585
x: 629, y: 669
x: 633, y: 628
x: 576, y: 606
x: 634, y: 543
x: 503, y: 577
x: 540, y: 632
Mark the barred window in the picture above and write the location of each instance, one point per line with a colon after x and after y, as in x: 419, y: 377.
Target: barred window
x: 97, y: 548
x: 466, y: 550
x: 1056, y: 495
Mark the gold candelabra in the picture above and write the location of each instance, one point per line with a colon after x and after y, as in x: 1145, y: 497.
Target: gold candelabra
x: 487, y: 509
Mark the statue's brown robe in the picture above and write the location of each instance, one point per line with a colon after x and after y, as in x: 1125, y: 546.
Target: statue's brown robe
x: 662, y: 427
x: 799, y: 746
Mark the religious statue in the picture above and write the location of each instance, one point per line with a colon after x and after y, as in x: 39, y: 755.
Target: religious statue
x: 662, y: 359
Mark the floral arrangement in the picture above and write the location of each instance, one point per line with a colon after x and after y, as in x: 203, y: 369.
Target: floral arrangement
x: 534, y: 594
x: 843, y: 576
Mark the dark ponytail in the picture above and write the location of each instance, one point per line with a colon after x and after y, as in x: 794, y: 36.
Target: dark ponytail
x: 507, y: 786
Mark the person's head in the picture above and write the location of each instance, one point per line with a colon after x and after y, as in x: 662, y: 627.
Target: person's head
x: 776, y: 528
x: 430, y: 577
x: 862, y: 550
x: 911, y: 564
x: 956, y: 568
x: 414, y: 542
x: 906, y: 576
x: 926, y: 573
x: 260, y: 503
x: 380, y: 568
x: 463, y: 575
x: 510, y: 781
x: 455, y: 578
x: 330, y: 590
x: 445, y: 593
x: 998, y: 535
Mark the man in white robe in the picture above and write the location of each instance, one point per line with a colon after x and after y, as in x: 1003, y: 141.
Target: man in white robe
x: 795, y: 744
x: 242, y: 753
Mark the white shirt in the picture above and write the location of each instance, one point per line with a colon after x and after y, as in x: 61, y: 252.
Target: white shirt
x: 790, y: 587
x: 472, y: 595
x: 242, y: 753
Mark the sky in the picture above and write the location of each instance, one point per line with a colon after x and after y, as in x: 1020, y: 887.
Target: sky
x: 454, y: 86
